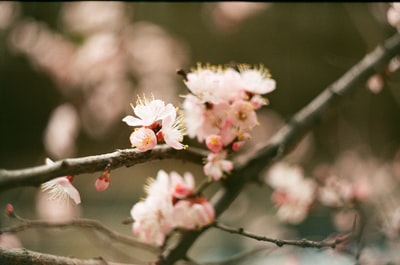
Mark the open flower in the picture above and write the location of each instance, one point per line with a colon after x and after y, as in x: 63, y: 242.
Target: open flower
x: 170, y: 203
x: 216, y: 165
x: 158, y: 123
x: 143, y: 138
x: 61, y: 188
x: 172, y: 131
x: 149, y: 112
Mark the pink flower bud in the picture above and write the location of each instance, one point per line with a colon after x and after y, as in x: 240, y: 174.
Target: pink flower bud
x: 103, y: 181
x: 9, y: 209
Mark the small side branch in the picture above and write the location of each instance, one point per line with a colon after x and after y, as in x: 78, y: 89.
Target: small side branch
x: 82, y: 223
x: 21, y: 256
x: 304, y: 243
x: 35, y: 176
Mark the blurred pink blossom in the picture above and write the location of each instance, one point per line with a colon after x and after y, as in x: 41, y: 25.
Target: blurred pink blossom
x: 169, y: 204
x: 293, y: 194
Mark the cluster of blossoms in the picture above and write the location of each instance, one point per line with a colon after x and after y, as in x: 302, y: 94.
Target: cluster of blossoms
x: 155, y: 122
x: 293, y: 194
x: 170, y: 203
x: 220, y: 110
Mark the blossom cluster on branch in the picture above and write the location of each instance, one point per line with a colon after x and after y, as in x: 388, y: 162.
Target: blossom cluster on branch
x: 221, y: 109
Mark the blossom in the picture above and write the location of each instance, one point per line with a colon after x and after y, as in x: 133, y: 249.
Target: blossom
x: 143, y: 138
x: 242, y: 115
x: 293, y: 194
x: 61, y: 188
x: 214, y: 143
x: 393, y: 15
x: 148, y: 112
x: 189, y: 214
x: 172, y: 132
x: 256, y: 81
x: 157, y: 122
x: 170, y: 203
x: 181, y: 187
x: 152, y: 219
x: 216, y: 165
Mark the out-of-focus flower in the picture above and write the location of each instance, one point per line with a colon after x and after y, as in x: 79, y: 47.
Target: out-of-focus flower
x: 9, y: 10
x: 9, y: 240
x: 61, y: 132
x: 93, y: 16
x: 214, y: 143
x: 191, y: 214
x: 393, y: 15
x: 293, y: 194
x: 61, y: 188
x: 217, y: 165
x: 375, y: 83
x: 169, y: 204
x: 229, y: 16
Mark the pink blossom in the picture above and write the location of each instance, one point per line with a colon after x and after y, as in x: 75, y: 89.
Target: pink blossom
x: 205, y: 84
x: 143, y: 138
x: 293, y: 194
x: 216, y: 165
x: 393, y: 15
x: 149, y: 112
x: 172, y: 131
x: 214, y: 143
x: 181, y: 187
x: 61, y: 188
x: 242, y: 115
x: 194, y: 115
x: 152, y: 219
x: 169, y: 204
x: 256, y: 81
x: 190, y: 215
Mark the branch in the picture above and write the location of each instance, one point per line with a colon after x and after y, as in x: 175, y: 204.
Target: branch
x: 35, y: 176
x: 21, y: 256
x: 288, y: 136
x: 82, y: 223
x: 304, y: 243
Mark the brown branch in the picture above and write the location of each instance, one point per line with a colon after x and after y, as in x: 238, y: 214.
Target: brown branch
x: 82, y: 223
x: 21, y: 256
x: 304, y: 243
x: 288, y: 136
x: 35, y: 176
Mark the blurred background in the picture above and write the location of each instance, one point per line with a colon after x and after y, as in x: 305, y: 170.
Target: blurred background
x: 69, y: 70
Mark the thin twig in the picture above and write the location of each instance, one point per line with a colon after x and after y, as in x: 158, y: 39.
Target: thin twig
x: 24, y: 256
x: 304, y: 243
